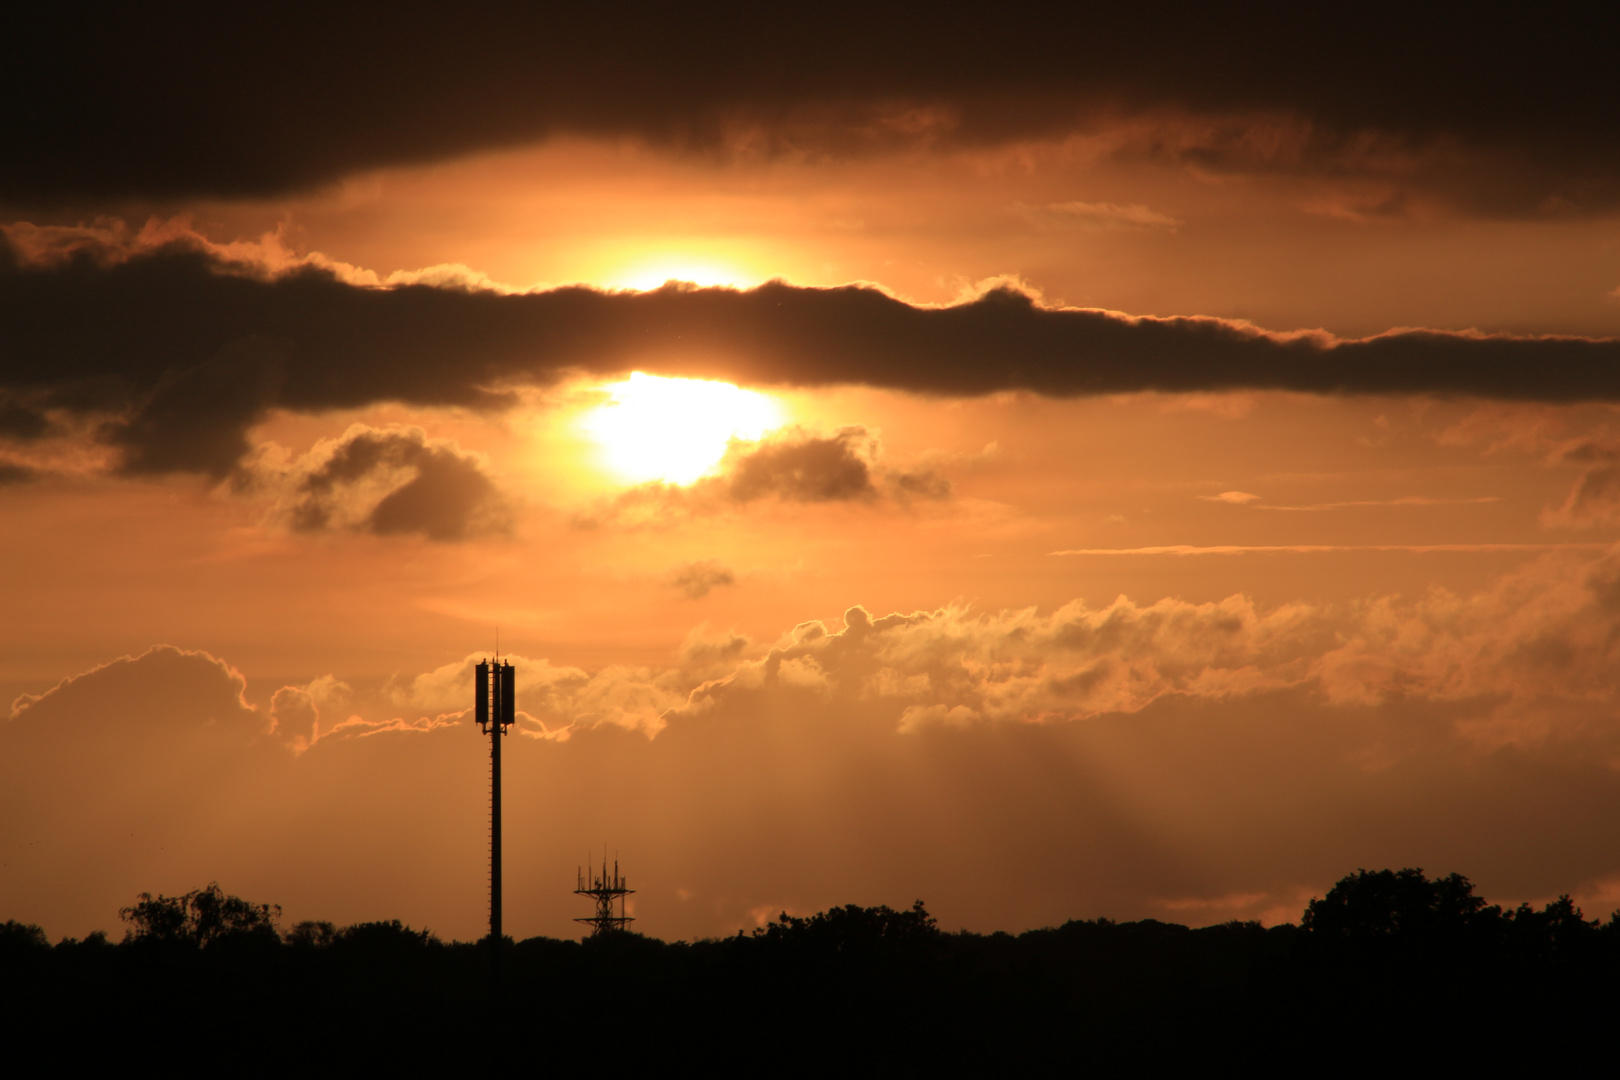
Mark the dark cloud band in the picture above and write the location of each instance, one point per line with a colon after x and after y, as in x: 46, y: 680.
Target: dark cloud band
x: 184, y: 353
x: 178, y: 100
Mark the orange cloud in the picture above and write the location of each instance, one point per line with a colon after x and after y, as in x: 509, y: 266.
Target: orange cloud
x: 1197, y: 761
x: 387, y: 481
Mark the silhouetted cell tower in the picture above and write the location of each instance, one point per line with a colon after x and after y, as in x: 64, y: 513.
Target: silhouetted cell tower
x: 604, y: 889
x: 494, y: 698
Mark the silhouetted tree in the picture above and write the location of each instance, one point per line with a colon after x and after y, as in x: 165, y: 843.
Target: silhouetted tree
x: 200, y: 917
x: 310, y: 934
x: 1388, y: 903
x: 850, y: 927
x: 95, y: 939
x: 1556, y: 932
x: 21, y: 938
x: 375, y: 938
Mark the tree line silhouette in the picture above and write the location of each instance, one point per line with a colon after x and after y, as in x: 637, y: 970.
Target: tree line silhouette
x: 1389, y: 966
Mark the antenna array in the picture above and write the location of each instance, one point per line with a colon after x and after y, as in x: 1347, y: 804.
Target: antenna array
x: 605, y: 888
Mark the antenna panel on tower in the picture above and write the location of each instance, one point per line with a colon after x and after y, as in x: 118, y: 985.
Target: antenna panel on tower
x: 508, y: 694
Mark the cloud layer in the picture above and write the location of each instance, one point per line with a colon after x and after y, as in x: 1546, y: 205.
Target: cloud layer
x: 152, y: 115
x: 1123, y: 759
x: 178, y: 351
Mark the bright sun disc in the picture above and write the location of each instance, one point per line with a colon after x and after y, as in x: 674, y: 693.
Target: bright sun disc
x: 675, y: 430
x: 655, y: 273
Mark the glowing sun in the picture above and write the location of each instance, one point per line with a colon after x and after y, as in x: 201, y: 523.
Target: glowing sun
x: 674, y: 430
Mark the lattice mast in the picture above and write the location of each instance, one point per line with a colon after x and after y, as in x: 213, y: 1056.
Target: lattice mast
x: 494, y: 701
x: 605, y: 888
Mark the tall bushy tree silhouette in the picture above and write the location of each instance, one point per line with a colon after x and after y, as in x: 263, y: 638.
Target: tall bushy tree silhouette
x: 1367, y: 906
x: 200, y: 917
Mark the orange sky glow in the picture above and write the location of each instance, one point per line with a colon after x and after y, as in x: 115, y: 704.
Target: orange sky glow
x: 833, y: 570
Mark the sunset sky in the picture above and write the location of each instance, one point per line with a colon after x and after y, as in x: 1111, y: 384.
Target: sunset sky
x: 1050, y: 463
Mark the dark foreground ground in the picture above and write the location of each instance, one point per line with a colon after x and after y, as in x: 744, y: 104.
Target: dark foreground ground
x: 1390, y: 971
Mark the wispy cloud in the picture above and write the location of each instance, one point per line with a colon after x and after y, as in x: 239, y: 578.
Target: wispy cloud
x: 1244, y: 498
x: 1097, y: 215
x: 1313, y: 549
x: 1405, y: 500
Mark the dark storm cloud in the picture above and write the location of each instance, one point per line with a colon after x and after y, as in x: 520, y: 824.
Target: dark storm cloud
x: 185, y: 100
x: 181, y: 354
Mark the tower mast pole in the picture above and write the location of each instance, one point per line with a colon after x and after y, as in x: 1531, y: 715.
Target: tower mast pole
x: 494, y: 707
x: 495, y: 829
